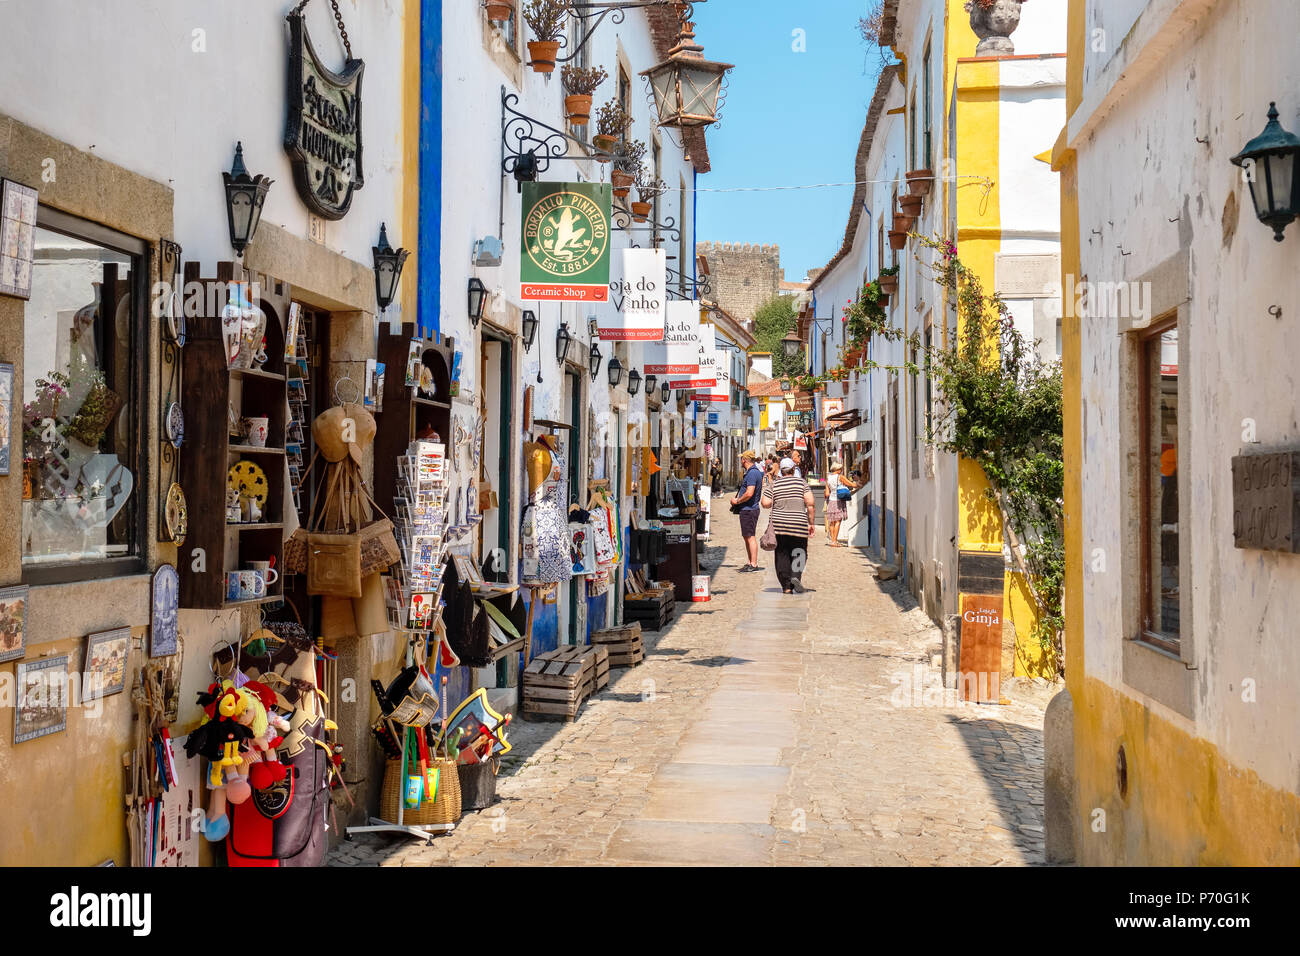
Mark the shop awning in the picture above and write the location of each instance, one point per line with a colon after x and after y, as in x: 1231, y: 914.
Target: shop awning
x: 857, y: 433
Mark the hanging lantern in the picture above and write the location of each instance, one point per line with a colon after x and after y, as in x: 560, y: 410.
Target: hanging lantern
x: 665, y: 392
x: 650, y: 382
x: 633, y: 382
x: 245, y: 195
x: 593, y: 360
x: 686, y: 87
x: 615, y: 370
x: 530, y: 328
x: 477, y: 297
x: 1270, y: 160
x: 562, y: 340
x: 388, y: 269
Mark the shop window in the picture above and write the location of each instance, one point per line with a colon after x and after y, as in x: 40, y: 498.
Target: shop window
x: 1158, y: 390
x: 83, y: 360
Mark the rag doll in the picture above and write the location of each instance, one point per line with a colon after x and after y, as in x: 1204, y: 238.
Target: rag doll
x: 221, y: 738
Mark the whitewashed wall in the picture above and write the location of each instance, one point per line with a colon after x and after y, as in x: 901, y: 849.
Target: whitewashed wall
x: 1139, y: 168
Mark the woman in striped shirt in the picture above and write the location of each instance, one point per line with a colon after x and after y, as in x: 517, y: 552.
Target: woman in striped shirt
x: 792, y: 520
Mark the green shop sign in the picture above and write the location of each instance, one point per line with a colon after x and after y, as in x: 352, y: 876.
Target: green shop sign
x: 565, y: 255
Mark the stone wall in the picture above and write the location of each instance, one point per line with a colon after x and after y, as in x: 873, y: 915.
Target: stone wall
x: 743, y: 275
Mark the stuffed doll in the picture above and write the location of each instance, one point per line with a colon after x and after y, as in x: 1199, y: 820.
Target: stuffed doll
x: 220, y: 738
x: 269, y: 729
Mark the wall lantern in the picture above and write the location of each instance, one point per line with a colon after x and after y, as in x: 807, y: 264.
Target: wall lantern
x: 650, y: 382
x: 1270, y: 161
x: 245, y: 195
x: 664, y: 392
x: 477, y: 297
x: 530, y: 328
x: 686, y: 86
x: 593, y: 360
x: 562, y: 340
x: 615, y: 369
x: 388, y: 269
x: 791, y: 344
x: 633, y: 382
x: 526, y: 169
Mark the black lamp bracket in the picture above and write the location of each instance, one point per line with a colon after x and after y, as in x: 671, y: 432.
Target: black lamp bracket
x: 522, y: 135
x: 597, y: 10
x: 622, y: 219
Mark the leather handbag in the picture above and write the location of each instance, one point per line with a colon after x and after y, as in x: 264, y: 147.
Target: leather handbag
x: 768, y: 541
x: 334, y: 564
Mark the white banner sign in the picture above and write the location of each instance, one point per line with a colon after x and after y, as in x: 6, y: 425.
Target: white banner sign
x: 679, y: 352
x: 638, y: 298
x: 705, y: 376
x: 720, y: 393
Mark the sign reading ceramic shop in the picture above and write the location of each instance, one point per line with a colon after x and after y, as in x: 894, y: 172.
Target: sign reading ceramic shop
x: 323, y: 133
x: 565, y: 242
x: 638, y: 298
x: 679, y: 351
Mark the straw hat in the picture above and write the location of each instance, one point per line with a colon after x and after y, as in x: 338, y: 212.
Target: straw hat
x: 330, y: 428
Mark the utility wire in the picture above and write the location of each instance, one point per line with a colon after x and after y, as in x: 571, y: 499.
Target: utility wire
x: 865, y: 182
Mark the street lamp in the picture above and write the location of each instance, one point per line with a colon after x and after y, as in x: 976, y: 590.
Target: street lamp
x: 388, y: 269
x: 664, y: 392
x: 686, y: 86
x: 593, y: 360
x: 245, y: 195
x: 562, y: 340
x: 650, y: 382
x: 634, y: 382
x: 791, y: 344
x: 1270, y: 164
x: 477, y: 296
x: 615, y: 370
x: 530, y: 328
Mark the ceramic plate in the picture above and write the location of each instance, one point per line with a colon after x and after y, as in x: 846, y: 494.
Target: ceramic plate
x: 175, y: 424
x: 178, y: 519
x: 248, y: 479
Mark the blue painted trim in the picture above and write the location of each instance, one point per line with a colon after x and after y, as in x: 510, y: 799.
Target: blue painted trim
x: 695, y: 218
x: 430, y: 242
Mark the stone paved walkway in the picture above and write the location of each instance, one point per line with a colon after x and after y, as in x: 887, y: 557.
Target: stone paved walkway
x: 765, y: 728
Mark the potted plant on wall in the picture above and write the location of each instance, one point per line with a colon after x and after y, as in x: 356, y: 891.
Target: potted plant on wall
x: 910, y: 205
x: 499, y: 11
x: 919, y: 180
x: 627, y: 167
x: 888, y: 279
x: 580, y: 82
x: 647, y: 188
x: 993, y: 21
x: 545, y: 18
x: 612, y: 124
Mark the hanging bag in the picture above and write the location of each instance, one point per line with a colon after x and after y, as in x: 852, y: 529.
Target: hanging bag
x: 334, y: 560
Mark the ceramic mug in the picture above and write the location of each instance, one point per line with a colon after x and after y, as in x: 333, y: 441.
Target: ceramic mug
x: 257, y: 431
x: 233, y: 583
x: 268, y: 573
x: 251, y: 585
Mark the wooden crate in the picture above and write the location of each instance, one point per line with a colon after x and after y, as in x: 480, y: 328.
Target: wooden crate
x: 556, y: 683
x: 624, y: 644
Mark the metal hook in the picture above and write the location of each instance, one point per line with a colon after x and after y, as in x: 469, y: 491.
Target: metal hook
x: 1275, y: 311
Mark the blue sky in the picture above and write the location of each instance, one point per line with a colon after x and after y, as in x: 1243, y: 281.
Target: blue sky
x: 790, y: 119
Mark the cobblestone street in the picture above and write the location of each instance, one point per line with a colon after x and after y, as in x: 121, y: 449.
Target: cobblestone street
x: 765, y: 728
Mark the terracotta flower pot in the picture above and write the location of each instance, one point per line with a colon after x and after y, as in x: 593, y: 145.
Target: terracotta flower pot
x: 641, y: 211
x: 605, y: 144
x: 903, y: 223
x: 994, y: 25
x: 541, y: 55
x: 622, y: 182
x: 911, y: 205
x: 919, y: 180
x: 499, y: 11
x: 578, y: 108
x: 897, y: 239
x: 889, y: 284
x: 882, y: 300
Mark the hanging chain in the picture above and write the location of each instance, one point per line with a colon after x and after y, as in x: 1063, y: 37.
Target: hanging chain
x: 338, y: 19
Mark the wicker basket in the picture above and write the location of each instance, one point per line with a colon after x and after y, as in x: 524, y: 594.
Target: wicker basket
x: 478, y: 784
x: 445, y: 809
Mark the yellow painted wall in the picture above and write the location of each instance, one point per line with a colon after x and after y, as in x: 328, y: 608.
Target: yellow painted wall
x: 1031, y: 660
x: 1186, y: 804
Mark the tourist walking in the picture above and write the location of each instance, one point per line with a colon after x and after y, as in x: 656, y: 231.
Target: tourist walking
x: 716, y: 475
x: 792, y: 520
x: 839, y: 492
x: 746, y: 503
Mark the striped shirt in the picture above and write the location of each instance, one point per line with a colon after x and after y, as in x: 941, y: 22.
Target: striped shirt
x: 789, y: 510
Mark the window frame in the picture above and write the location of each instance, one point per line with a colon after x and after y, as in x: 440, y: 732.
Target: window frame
x: 1144, y: 338
x: 927, y: 94
x: 36, y: 575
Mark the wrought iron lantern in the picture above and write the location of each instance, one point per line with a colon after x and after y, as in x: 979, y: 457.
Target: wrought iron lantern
x: 245, y: 195
x: 650, y: 382
x: 633, y: 382
x: 686, y: 87
x: 562, y: 342
x: 664, y: 392
x: 388, y: 269
x: 594, y: 359
x: 615, y: 370
x: 529, y: 323
x: 477, y: 298
x: 1270, y: 161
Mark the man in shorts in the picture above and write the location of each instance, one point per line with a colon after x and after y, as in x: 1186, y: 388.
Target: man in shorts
x: 749, y: 497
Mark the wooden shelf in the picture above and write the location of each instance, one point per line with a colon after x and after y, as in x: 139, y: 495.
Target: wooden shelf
x: 256, y: 373
x: 256, y: 526
x: 431, y: 402
x: 254, y: 450
x: 251, y: 601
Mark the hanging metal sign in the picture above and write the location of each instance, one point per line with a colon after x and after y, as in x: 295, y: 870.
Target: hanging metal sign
x: 565, y: 230
x: 323, y: 132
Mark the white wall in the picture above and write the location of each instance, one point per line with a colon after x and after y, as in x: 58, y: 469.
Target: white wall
x: 1141, y: 168
x: 164, y: 88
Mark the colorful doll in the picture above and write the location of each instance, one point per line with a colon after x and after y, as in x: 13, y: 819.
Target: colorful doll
x: 220, y: 738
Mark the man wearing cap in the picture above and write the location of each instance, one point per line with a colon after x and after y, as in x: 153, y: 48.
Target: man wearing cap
x: 745, y: 502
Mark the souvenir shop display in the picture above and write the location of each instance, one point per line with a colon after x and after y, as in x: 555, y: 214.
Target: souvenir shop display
x: 545, y: 539
x: 162, y: 782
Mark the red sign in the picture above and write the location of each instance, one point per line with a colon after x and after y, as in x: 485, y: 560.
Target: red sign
x: 981, y: 648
